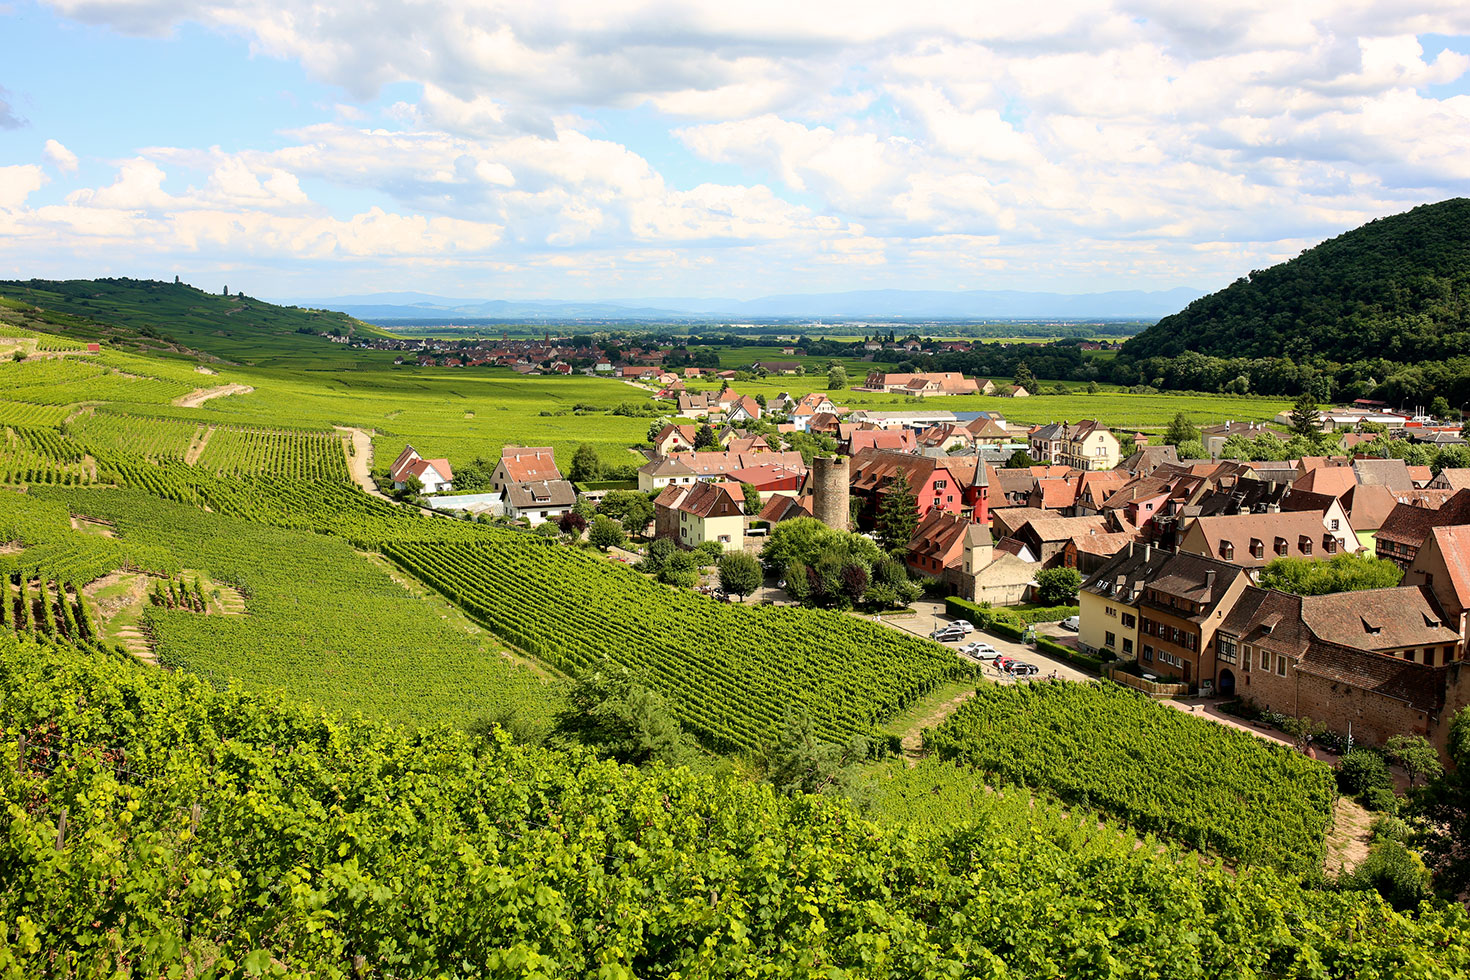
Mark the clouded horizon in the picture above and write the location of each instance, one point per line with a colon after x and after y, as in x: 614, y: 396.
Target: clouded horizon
x: 596, y: 150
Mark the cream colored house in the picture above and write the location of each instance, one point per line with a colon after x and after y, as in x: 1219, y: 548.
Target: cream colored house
x: 709, y: 513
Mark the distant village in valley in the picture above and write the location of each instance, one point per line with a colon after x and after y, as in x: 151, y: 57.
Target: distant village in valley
x: 1163, y: 556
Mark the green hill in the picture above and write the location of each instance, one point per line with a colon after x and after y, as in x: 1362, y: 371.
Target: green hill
x: 1397, y: 288
x: 172, y: 318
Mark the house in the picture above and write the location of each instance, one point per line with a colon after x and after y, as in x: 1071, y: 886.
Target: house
x: 1108, y: 601
x: 1214, y: 437
x: 778, y: 367
x: 811, y: 404
x: 743, y: 409
x: 1091, y: 446
x: 524, y: 464
x: 1306, y: 658
x: 1013, y: 391
x: 683, y: 469
x: 674, y: 439
x: 989, y: 432
x: 434, y: 474
x: 944, y: 438
x: 1442, y: 565
x: 1334, y: 481
x: 928, y: 384
x: 709, y: 512
x: 1048, y: 537
x: 1177, y: 618
x: 1146, y: 459
x: 1252, y: 540
x: 539, y: 500
x: 782, y: 507
x: 1390, y: 473
x: 893, y: 440
x: 989, y: 574
x: 1451, y: 478
x: 902, y: 420
x: 1407, y: 526
x: 698, y: 404
x: 955, y: 485
x: 937, y: 544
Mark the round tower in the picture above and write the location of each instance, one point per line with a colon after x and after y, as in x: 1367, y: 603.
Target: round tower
x: 830, y: 491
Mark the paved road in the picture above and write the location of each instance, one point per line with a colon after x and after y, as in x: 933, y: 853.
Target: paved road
x: 929, y: 615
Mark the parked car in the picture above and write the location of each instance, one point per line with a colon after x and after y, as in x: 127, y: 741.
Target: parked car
x: 962, y: 624
x: 981, y: 651
x: 1018, y: 668
x: 947, y: 634
x: 1073, y: 623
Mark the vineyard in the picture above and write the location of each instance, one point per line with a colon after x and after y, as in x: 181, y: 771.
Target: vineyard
x: 730, y: 672
x: 324, y: 623
x: 215, y: 832
x: 41, y: 456
x: 144, y: 436
x: 1100, y: 745
x: 283, y: 454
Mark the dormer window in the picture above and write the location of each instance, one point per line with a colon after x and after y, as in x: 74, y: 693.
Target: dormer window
x: 1305, y: 544
x: 1329, y: 544
x: 1258, y: 550
x: 1280, y: 545
x: 1227, y: 550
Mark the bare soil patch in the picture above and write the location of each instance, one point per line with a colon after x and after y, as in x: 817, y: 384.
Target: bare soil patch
x: 93, y: 525
x: 199, y: 396
x: 913, y: 739
x: 1348, y: 840
x: 196, y: 447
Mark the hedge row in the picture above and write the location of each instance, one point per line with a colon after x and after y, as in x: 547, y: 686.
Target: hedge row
x: 1082, y: 661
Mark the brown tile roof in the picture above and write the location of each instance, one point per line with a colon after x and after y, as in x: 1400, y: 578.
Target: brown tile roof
x: 1368, y: 507
x: 527, y: 463
x: 938, y: 534
x: 1410, y: 525
x: 710, y: 500
x: 899, y: 440
x: 1238, y: 530
x: 1378, y: 619
x: 1391, y: 473
x: 1332, y: 480
x: 1053, y: 528
x: 1454, y: 545
x: 1268, y: 618
x: 1420, y: 686
x: 541, y: 493
x: 783, y: 508
x: 1458, y: 478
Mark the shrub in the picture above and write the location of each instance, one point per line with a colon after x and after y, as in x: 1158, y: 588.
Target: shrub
x: 1393, y: 871
x: 1361, y: 770
x: 1380, y: 800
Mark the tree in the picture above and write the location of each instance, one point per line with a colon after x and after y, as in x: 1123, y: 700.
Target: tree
x: 705, y: 438
x: 621, y: 719
x: 631, y: 508
x: 855, y: 580
x: 740, y: 573
x: 1023, y: 376
x: 752, y: 498
x: 412, y: 487
x: 1305, y: 419
x: 1019, y: 460
x: 898, y: 514
x: 1440, y: 407
x: 1058, y: 586
x: 1180, y: 430
x: 1444, y: 807
x: 801, y: 762
x: 1093, y: 387
x: 654, y: 428
x: 586, y: 464
x: 1340, y: 573
x: 1416, y: 756
x: 605, y: 532
x: 837, y: 378
x: 572, y: 523
x: 1191, y: 449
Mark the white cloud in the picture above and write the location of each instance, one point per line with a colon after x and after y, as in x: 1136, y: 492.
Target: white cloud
x: 991, y: 144
x: 60, y: 157
x: 18, y: 183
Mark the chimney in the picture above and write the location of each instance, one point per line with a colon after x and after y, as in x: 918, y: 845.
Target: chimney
x: 1147, y: 551
x: 1210, y: 581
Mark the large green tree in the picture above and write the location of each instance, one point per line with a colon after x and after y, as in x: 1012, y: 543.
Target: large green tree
x: 898, y: 513
x: 836, y: 378
x: 1180, y: 430
x: 1306, y: 420
x: 740, y: 573
x: 1058, y: 586
x: 631, y: 508
x: 1340, y: 573
x: 586, y: 464
x: 1443, y: 806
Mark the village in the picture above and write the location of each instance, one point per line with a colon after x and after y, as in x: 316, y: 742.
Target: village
x: 1164, y: 554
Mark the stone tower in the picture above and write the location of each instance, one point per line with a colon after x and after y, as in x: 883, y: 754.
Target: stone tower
x: 830, y: 491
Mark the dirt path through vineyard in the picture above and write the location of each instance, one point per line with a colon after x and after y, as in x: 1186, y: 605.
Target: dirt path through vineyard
x: 199, y: 396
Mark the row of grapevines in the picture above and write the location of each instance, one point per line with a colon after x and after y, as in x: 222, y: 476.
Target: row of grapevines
x: 285, y: 454
x: 149, y: 437
x: 1102, y: 745
x: 218, y: 833
x: 731, y: 672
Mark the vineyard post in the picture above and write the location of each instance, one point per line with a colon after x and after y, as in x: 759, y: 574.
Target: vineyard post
x: 61, y: 829
x: 194, y: 820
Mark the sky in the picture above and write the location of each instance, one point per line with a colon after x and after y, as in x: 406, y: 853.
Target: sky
x: 575, y: 150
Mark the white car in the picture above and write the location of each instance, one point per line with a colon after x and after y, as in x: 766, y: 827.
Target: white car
x: 962, y: 625
x: 1073, y: 623
x: 980, y: 651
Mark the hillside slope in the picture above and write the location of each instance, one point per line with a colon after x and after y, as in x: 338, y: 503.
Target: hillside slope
x: 1396, y: 288
x: 215, y: 833
x: 176, y: 318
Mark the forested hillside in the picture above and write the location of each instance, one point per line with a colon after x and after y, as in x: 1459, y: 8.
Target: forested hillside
x: 158, y: 826
x: 146, y: 314
x: 1396, y: 288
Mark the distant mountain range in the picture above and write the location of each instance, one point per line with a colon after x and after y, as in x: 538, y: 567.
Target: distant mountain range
x: 877, y: 304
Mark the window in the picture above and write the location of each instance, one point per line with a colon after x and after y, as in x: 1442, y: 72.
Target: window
x: 1281, y: 665
x: 1127, y: 645
x: 1227, y: 551
x: 1409, y: 655
x: 1305, y: 544
x: 1258, y: 550
x: 1265, y: 660
x: 1113, y: 612
x: 1227, y: 649
x: 1109, y: 640
x: 1129, y: 619
x: 1280, y: 545
x: 940, y: 484
x: 1148, y: 653
x: 1333, y: 525
x: 1329, y: 544
x: 1429, y: 656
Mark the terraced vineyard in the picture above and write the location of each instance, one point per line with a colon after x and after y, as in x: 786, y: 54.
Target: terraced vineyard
x: 285, y: 453
x: 731, y: 672
x: 146, y: 436
x: 30, y: 456
x: 1101, y: 745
